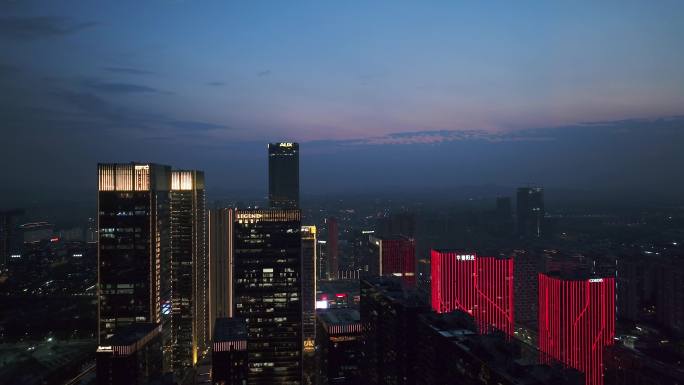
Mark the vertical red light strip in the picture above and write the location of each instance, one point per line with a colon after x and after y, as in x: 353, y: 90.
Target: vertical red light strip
x: 494, y: 291
x: 576, y: 322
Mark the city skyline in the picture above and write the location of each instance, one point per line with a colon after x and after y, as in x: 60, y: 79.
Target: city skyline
x: 318, y: 193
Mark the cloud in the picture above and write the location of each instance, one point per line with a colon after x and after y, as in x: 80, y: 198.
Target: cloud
x: 264, y: 73
x: 216, y: 84
x: 120, y: 88
x: 128, y: 71
x: 31, y: 28
x: 195, y: 125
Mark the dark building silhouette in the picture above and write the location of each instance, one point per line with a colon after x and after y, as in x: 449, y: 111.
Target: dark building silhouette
x: 340, y: 342
x: 221, y: 249
x: 389, y: 311
x: 132, y: 355
x: 229, y: 352
x: 403, y: 224
x: 283, y: 175
x: 10, y: 237
x: 333, y: 247
x: 530, y: 212
x: 268, y: 288
x: 189, y: 270
x: 133, y: 250
x: 525, y: 282
x: 669, y: 271
x: 451, y: 351
x: 504, y: 209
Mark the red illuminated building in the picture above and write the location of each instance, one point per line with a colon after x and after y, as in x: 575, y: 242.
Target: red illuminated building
x: 453, y: 281
x: 479, y: 286
x: 396, y: 256
x: 494, y: 285
x: 576, y: 322
x: 333, y: 234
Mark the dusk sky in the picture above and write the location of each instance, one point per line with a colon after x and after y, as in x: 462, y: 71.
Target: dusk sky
x: 381, y: 95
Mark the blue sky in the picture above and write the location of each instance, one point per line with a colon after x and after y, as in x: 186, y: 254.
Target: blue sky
x: 84, y: 79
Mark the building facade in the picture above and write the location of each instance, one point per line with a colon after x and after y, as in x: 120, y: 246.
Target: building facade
x: 577, y: 321
x: 229, y: 352
x: 134, y: 284
x: 479, y: 286
x: 309, y: 279
x: 333, y: 246
x: 189, y: 270
x: 130, y: 356
x: 268, y: 292
x: 340, y: 341
x: 221, y: 248
x: 283, y: 175
x: 389, y: 312
x: 393, y: 256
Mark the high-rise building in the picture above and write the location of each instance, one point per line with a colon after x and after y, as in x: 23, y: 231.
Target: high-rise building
x: 229, y: 352
x: 389, y: 312
x: 527, y: 266
x: 393, y: 256
x: 453, y: 275
x: 268, y: 292
x: 221, y: 223
x: 530, y: 212
x: 189, y: 270
x: 479, y: 286
x: 333, y: 247
x: 340, y: 340
x: 130, y: 356
x: 283, y: 175
x: 577, y: 321
x: 669, y: 300
x: 10, y: 238
x: 133, y: 248
x: 309, y: 279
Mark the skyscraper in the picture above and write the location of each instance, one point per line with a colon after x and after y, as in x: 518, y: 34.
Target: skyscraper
x: 283, y: 175
x: 221, y: 223
x: 133, y: 248
x: 268, y: 292
x: 577, y: 321
x: 189, y: 270
x: 530, y: 211
x: 309, y: 257
x: 333, y: 235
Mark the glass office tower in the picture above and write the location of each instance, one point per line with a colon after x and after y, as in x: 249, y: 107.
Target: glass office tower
x: 133, y: 248
x: 189, y: 270
x: 268, y: 291
x: 283, y: 175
